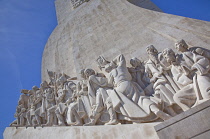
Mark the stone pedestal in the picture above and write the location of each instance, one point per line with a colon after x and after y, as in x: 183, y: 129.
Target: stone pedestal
x: 194, y: 123
x: 128, y: 131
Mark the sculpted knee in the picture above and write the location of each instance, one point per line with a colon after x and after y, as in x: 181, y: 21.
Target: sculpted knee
x: 109, y: 103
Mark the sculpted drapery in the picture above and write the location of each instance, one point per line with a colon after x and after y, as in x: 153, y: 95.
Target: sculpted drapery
x: 159, y: 88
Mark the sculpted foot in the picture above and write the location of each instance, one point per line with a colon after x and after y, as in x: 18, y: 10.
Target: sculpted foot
x: 62, y: 124
x: 43, y: 125
x: 112, y: 122
x: 78, y: 124
x: 89, y: 124
x: 72, y: 124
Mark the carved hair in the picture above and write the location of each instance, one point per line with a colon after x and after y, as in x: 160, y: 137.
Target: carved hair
x: 136, y: 60
x: 169, y: 54
x: 44, y: 84
x: 183, y: 43
x: 89, y: 71
x: 102, y: 62
x: 35, y: 88
x: 168, y: 51
x: 151, y: 48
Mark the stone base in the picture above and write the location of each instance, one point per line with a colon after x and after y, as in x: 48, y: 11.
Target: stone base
x: 194, y: 123
x: 128, y: 131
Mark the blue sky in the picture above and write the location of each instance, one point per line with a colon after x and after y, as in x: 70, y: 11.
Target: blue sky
x: 24, y: 29
x: 198, y: 9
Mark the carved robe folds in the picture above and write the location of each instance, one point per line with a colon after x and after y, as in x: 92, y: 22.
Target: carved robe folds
x: 126, y: 97
x: 161, y: 84
x: 192, y: 76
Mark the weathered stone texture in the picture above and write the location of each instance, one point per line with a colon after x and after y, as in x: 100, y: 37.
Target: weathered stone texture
x: 132, y: 131
x: 194, y: 123
x: 111, y: 27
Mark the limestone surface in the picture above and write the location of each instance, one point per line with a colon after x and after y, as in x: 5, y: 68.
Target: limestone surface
x: 110, y: 28
x: 129, y: 131
x: 196, y: 118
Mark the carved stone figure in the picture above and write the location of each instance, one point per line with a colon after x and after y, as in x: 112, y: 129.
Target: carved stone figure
x: 198, y: 65
x: 189, y: 94
x: 52, y: 77
x: 65, y: 92
x: 158, y: 88
x: 38, y: 112
x: 127, y: 100
x: 49, y: 103
x: 21, y: 109
x: 137, y: 72
x: 182, y: 46
x: 98, y: 86
x: 19, y: 115
x: 79, y: 111
x: 162, y: 87
x: 29, y: 117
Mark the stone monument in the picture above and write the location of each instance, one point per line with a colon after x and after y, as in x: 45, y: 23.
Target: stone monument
x: 110, y: 70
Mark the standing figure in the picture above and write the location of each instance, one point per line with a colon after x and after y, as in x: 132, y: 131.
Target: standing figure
x: 30, y: 114
x: 64, y: 93
x: 40, y: 112
x: 37, y: 107
x: 49, y: 102
x: 80, y: 109
x: 21, y: 109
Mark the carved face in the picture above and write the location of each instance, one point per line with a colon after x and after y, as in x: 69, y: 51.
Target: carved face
x: 181, y: 46
x: 169, y: 55
x: 82, y: 74
x: 134, y: 62
x: 35, y: 88
x: 88, y: 73
x: 151, y: 50
x: 44, y: 84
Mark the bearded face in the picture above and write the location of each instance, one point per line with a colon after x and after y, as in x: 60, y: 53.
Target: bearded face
x: 154, y: 58
x: 153, y: 54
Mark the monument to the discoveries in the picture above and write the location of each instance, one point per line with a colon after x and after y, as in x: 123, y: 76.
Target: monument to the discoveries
x: 122, y: 64
x: 112, y: 27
